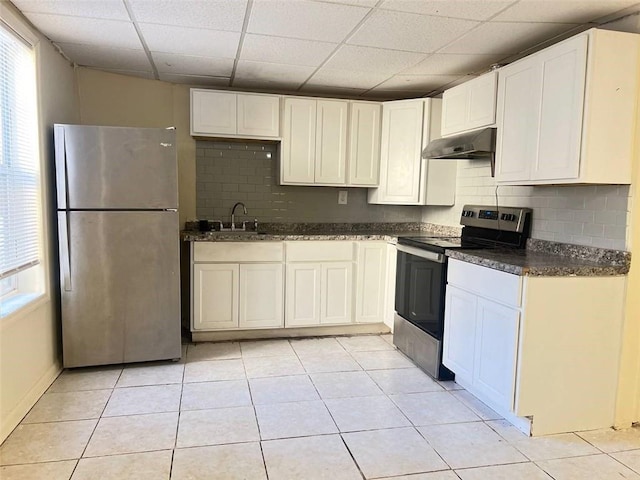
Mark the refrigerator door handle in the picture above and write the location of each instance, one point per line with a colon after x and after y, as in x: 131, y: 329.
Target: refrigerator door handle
x: 61, y: 166
x: 65, y: 254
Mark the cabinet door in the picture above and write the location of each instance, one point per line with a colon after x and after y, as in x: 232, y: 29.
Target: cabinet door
x: 331, y: 142
x: 370, y: 282
x: 518, y: 118
x: 213, y: 112
x: 336, y: 293
x: 215, y: 296
x: 303, y: 294
x: 481, y: 106
x: 258, y: 115
x: 454, y: 109
x: 561, y: 108
x: 261, y: 295
x: 364, y: 144
x: 496, y: 352
x: 298, y: 141
x: 400, y: 162
x: 459, y: 341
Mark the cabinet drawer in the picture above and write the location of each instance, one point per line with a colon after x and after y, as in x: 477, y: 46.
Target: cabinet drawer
x: 238, y: 252
x: 486, y: 282
x: 321, y: 251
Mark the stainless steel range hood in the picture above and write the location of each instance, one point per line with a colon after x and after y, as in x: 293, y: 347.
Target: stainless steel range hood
x: 480, y: 144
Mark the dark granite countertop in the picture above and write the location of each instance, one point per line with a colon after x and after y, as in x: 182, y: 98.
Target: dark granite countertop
x: 550, y: 259
x: 388, y: 232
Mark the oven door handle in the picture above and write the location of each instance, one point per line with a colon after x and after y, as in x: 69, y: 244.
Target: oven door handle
x: 426, y: 254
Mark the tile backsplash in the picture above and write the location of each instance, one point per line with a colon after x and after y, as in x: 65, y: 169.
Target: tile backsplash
x: 595, y: 215
x: 230, y: 172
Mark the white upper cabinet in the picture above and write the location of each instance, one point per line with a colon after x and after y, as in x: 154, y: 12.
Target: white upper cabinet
x: 567, y: 113
x: 258, y: 115
x: 314, y: 142
x: 298, y: 149
x: 242, y: 115
x: 213, y: 112
x: 330, y: 142
x: 364, y: 143
x: 470, y: 105
x: 405, y: 178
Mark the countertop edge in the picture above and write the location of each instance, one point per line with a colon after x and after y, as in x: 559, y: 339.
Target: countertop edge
x: 477, y: 258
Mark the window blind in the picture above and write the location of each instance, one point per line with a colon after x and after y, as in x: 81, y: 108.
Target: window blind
x: 19, y: 162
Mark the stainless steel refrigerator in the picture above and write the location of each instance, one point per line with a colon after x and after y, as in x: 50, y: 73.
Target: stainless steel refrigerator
x: 117, y: 200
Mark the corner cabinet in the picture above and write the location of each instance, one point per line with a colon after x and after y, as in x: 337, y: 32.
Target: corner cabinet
x: 567, y: 114
x: 532, y: 349
x: 470, y: 106
x: 330, y: 142
x: 228, y: 114
x: 405, y: 177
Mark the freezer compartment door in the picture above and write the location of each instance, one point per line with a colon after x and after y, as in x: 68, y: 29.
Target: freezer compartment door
x: 115, y: 168
x: 119, y: 286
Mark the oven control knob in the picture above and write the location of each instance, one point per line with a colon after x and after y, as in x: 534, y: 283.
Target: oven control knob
x: 508, y: 217
x: 467, y: 213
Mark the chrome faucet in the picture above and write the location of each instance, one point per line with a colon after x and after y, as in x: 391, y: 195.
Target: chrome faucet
x: 233, y: 214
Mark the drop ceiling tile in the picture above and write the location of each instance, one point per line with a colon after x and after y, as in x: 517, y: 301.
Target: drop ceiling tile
x: 422, y: 83
x: 505, y: 38
x: 357, y: 3
x: 190, y: 41
x: 337, y: 92
x: 90, y: 31
x: 452, y: 64
x: 200, y: 80
x: 105, y: 9
x: 382, y: 95
x: 281, y: 86
x: 466, y: 9
x: 192, y: 65
x: 263, y: 48
x: 106, y: 57
x: 130, y: 73
x: 328, y: 22
x: 409, y: 31
x: 376, y: 60
x: 270, y: 72
x: 210, y: 14
x: 562, y: 11
x: 330, y: 77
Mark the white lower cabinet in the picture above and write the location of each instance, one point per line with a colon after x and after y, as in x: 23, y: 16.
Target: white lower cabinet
x: 371, y: 282
x: 261, y: 295
x: 248, y: 285
x: 480, y: 344
x: 336, y: 293
x: 495, y: 356
x: 534, y: 348
x: 459, y: 333
x: 215, y: 296
x: 303, y: 294
x: 319, y: 293
x: 247, y: 293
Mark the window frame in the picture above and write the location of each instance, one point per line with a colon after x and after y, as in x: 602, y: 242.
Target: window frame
x: 32, y: 284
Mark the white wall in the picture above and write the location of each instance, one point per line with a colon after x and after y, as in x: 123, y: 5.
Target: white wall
x: 594, y: 215
x: 29, y: 340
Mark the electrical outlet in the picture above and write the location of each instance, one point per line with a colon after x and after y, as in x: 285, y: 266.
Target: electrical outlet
x: 342, y: 197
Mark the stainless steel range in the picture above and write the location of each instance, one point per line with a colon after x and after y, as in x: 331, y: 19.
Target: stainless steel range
x: 422, y: 272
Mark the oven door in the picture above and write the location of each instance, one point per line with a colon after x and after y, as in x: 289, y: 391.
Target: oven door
x: 420, y: 287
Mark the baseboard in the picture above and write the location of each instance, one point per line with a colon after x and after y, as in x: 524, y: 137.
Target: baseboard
x: 8, y: 424
x: 357, y: 329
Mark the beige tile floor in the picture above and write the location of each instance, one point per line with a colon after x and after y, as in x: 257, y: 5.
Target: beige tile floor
x: 330, y: 408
